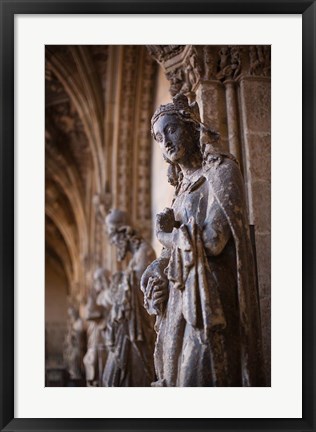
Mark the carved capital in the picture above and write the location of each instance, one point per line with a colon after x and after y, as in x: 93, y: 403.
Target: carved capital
x: 229, y: 63
x: 186, y: 65
x: 164, y: 53
x: 183, y: 65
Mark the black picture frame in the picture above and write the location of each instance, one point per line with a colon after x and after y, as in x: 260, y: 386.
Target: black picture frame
x: 8, y: 9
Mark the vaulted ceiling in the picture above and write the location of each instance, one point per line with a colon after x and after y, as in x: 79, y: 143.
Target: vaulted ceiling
x: 98, y: 103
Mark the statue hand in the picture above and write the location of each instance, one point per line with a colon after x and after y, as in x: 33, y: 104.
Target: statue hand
x: 154, y: 285
x: 165, y: 221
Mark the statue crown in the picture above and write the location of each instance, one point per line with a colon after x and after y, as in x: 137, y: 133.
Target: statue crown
x: 180, y: 106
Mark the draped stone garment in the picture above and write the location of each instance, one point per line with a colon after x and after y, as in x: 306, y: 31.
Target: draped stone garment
x: 129, y: 335
x: 209, y: 333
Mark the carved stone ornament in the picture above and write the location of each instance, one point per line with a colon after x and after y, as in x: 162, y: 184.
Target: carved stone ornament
x: 260, y: 60
x: 229, y: 64
x: 163, y: 53
x: 130, y: 332
x: 186, y: 65
x: 202, y: 288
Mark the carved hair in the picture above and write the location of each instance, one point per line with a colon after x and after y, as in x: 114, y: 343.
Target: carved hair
x: 131, y: 234
x: 116, y: 217
x: 119, y: 219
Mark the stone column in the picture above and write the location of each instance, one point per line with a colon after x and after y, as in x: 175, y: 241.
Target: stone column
x: 255, y: 107
x: 233, y: 120
x: 210, y: 96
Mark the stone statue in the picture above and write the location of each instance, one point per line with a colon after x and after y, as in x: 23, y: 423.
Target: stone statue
x: 202, y: 287
x: 230, y: 64
x: 210, y: 64
x: 255, y: 64
x: 130, y: 334
x: 75, y: 344
x: 96, y: 315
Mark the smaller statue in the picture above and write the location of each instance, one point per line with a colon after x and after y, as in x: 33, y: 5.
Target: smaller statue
x: 210, y: 64
x: 230, y: 64
x: 267, y: 61
x: 176, y: 78
x: 255, y: 63
x: 74, y: 346
x: 96, y: 317
x: 235, y: 63
x: 130, y: 332
x: 224, y: 57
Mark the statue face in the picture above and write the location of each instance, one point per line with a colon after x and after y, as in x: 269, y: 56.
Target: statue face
x: 97, y: 284
x: 174, y: 137
x: 113, y: 233
x: 119, y: 239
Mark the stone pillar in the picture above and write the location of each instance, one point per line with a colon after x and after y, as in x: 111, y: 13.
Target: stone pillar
x: 255, y: 100
x: 210, y: 96
x: 233, y: 120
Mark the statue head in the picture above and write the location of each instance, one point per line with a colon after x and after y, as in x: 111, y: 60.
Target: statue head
x: 180, y: 107
x: 114, y: 220
x: 119, y: 231
x: 177, y: 127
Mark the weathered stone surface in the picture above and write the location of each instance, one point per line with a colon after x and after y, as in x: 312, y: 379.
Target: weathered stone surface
x: 259, y: 156
x: 263, y: 248
x: 256, y: 104
x: 265, y: 304
x: 255, y: 110
x: 130, y: 332
x: 202, y: 288
x: 261, y: 201
x: 233, y: 120
x: 211, y: 98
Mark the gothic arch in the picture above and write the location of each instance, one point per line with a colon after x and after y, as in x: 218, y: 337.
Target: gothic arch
x: 74, y: 69
x: 66, y: 178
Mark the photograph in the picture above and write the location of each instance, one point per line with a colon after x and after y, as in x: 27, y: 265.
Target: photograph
x: 157, y: 215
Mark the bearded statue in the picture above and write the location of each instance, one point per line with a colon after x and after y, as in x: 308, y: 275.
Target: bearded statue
x: 130, y: 334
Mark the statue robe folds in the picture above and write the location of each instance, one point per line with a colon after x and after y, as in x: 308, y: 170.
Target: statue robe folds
x: 129, y: 336
x: 209, y: 332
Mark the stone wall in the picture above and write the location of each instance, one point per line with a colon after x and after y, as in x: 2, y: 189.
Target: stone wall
x: 255, y: 103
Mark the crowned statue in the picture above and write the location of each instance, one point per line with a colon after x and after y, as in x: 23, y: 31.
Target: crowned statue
x: 202, y: 288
